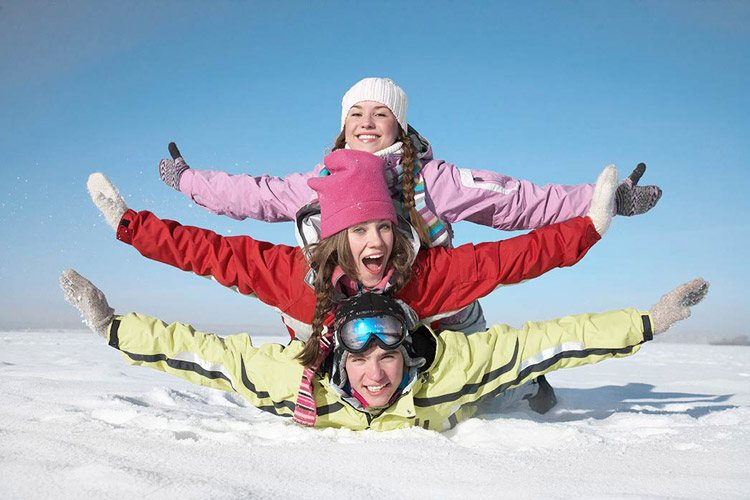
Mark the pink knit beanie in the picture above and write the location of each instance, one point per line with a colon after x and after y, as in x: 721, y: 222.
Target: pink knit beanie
x: 354, y: 192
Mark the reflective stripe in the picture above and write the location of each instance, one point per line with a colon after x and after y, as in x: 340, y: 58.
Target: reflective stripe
x: 207, y: 366
x: 177, y: 364
x: 471, y: 388
x: 467, y: 179
x: 549, y: 353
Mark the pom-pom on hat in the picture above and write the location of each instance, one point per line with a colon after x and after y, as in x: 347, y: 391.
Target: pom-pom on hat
x: 354, y: 192
x: 381, y: 90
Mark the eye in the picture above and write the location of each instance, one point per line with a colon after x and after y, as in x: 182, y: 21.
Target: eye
x: 385, y: 227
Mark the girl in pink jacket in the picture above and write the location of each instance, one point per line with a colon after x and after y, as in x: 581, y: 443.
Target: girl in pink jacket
x: 432, y: 194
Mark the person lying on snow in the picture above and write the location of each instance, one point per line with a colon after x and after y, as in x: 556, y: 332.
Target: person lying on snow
x: 384, y: 372
x: 364, y: 246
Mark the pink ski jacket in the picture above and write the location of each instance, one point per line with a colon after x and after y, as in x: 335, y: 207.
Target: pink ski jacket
x: 452, y: 194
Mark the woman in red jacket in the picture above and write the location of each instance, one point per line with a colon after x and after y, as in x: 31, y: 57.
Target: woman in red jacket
x: 363, y: 247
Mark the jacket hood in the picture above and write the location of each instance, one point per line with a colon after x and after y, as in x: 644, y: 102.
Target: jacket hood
x: 421, y: 350
x: 421, y: 145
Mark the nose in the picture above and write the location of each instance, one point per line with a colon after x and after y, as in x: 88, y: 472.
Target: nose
x: 375, y: 239
x: 367, y: 121
x: 375, y: 371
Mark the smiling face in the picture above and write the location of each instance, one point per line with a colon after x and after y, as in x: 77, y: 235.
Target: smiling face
x: 375, y: 374
x: 370, y: 126
x: 371, y: 244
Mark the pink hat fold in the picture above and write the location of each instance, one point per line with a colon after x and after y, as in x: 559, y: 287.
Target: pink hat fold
x: 354, y: 192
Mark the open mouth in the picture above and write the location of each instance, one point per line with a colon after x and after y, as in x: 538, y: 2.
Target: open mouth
x: 373, y: 263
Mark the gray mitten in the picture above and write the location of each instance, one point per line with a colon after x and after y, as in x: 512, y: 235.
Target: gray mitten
x: 89, y: 300
x: 675, y: 305
x: 632, y: 199
x: 107, y: 198
x: 171, y: 171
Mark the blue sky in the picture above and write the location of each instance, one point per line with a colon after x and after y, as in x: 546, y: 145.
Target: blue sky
x: 547, y: 91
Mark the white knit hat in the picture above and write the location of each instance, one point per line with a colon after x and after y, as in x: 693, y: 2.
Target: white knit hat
x: 381, y: 90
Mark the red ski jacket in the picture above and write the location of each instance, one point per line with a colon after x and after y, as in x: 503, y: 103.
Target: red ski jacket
x: 444, y: 280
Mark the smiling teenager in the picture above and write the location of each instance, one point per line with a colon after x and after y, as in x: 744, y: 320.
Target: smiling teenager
x: 384, y: 371
x: 364, y: 247
x: 430, y: 193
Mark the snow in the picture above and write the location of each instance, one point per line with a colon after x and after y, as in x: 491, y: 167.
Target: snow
x: 77, y: 422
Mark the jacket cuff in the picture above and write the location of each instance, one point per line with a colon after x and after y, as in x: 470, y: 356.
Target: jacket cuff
x: 185, y: 183
x: 592, y: 235
x: 125, y: 227
x: 648, y: 331
x: 114, y: 327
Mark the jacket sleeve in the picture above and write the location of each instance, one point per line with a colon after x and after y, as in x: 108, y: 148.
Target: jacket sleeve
x: 267, y: 271
x: 485, y: 364
x: 448, y: 279
x: 499, y: 201
x: 267, y: 376
x: 270, y: 199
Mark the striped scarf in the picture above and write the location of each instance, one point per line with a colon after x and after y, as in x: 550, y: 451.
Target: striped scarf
x: 305, y: 410
x: 438, y: 231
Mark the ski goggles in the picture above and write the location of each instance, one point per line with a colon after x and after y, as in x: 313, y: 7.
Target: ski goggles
x: 359, y: 334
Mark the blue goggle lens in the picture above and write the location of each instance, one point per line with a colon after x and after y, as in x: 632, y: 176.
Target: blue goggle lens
x: 359, y: 334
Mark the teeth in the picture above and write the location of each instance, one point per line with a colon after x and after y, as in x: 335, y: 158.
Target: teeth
x: 374, y: 388
x: 367, y: 137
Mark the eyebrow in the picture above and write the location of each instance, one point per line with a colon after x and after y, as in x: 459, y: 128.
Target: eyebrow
x: 376, y: 107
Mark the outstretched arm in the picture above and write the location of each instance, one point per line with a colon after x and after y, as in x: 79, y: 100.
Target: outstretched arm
x: 502, y: 202
x: 504, y: 357
x: 242, y: 196
x: 267, y: 271
x: 447, y: 280
x: 271, y: 272
x: 266, y: 376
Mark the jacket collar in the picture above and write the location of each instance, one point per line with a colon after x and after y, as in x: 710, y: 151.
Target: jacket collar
x: 349, y: 287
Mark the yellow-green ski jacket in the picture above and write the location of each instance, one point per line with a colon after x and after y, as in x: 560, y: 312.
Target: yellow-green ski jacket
x: 460, y: 371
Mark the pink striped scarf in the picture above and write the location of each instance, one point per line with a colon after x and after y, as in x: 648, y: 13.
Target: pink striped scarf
x: 305, y: 411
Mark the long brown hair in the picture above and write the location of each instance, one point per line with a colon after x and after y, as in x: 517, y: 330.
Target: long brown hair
x: 334, y: 251
x: 408, y: 157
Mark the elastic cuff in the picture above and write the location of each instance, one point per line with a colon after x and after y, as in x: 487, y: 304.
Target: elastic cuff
x: 125, y: 227
x: 592, y: 235
x: 648, y: 332
x: 114, y: 339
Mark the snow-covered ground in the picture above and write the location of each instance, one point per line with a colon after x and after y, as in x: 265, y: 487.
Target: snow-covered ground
x: 77, y: 422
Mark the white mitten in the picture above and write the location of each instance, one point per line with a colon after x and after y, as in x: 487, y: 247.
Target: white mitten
x: 107, y: 198
x: 602, y: 206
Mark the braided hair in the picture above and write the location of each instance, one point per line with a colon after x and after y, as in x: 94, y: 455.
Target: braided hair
x: 408, y: 182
